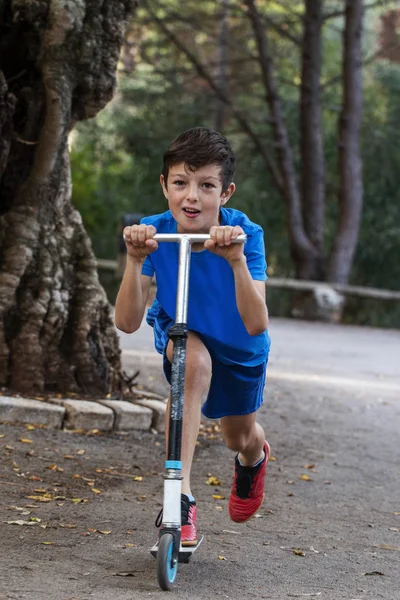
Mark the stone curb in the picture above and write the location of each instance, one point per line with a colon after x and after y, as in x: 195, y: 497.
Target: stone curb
x: 147, y: 413
x: 25, y: 410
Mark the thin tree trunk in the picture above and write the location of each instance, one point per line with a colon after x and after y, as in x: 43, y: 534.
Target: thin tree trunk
x: 56, y: 327
x: 302, y: 250
x: 350, y: 164
x: 221, y: 66
x: 312, y: 152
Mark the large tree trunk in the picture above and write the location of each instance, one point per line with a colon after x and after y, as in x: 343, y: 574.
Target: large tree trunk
x: 57, y: 66
x: 350, y: 164
x: 312, y: 151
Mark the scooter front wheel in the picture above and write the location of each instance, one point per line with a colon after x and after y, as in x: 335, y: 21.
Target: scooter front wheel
x: 167, y: 566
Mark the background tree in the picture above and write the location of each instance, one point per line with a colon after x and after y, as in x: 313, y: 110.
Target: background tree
x: 172, y: 70
x: 57, y: 67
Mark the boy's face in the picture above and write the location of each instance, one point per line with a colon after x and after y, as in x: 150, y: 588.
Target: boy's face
x: 195, y: 197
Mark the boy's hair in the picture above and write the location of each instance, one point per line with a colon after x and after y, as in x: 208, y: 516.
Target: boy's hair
x: 199, y: 147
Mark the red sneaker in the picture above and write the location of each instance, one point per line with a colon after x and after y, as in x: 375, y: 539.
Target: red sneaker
x: 188, y: 515
x: 247, y: 492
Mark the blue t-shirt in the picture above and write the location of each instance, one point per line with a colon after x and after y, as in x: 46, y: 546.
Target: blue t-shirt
x: 212, y: 309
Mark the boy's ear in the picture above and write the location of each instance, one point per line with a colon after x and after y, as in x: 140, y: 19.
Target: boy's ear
x: 228, y: 193
x: 164, y: 187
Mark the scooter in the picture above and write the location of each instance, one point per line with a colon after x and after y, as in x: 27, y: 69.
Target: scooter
x: 168, y: 550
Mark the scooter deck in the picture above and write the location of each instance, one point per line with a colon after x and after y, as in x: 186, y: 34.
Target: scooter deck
x: 185, y: 552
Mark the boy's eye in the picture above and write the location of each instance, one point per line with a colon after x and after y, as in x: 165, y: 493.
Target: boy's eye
x: 179, y: 182
x: 208, y: 186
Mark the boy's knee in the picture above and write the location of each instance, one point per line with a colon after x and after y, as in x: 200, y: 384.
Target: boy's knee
x: 198, y: 367
x: 198, y: 362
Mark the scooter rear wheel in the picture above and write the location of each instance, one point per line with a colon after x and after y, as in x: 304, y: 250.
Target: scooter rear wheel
x: 166, y: 566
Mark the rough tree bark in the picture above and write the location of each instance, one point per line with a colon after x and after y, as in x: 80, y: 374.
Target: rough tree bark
x: 57, y: 66
x: 350, y: 163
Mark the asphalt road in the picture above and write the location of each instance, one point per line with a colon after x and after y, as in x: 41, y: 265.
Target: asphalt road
x: 330, y: 524
x: 359, y: 357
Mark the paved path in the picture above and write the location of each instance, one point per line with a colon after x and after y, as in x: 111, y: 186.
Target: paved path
x: 360, y: 357
x: 330, y: 525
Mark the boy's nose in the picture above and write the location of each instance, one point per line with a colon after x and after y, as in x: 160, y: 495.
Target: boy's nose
x: 192, y: 195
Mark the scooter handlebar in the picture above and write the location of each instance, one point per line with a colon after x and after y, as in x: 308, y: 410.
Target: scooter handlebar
x: 192, y: 237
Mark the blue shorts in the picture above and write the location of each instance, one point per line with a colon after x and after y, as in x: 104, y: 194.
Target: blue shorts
x: 234, y: 389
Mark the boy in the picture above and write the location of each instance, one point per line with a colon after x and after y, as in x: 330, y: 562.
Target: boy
x: 228, y: 343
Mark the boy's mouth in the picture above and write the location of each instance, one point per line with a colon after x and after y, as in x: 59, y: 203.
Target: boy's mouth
x: 191, y: 212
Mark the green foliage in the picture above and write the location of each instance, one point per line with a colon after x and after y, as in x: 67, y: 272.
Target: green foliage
x: 116, y: 158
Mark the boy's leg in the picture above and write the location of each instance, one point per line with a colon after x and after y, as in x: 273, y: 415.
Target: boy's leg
x: 197, y: 381
x: 244, y: 435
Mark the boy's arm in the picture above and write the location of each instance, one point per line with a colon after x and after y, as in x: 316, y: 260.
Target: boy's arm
x: 132, y: 297
x: 134, y: 291
x: 250, y: 293
x: 250, y: 298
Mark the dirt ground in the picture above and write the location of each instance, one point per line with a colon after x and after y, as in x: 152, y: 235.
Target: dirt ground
x: 77, y: 511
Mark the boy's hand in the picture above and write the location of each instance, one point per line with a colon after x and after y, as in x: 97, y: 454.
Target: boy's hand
x: 139, y: 241
x: 221, y: 243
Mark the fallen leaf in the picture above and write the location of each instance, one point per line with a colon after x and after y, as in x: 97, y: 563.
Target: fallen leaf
x: 2, y: 435
x: 273, y: 458
x: 80, y: 452
x: 78, y: 500
x: 298, y: 552
x: 218, y: 497
x: 213, y: 481
x: 34, y: 478
x: 129, y: 546
x: 68, y: 525
x: 394, y: 529
x: 95, y: 491
x: 305, y: 478
x: 47, y: 543
x: 55, y: 468
x: 396, y: 514
x: 39, y: 498
x: 220, y: 557
x: 309, y: 466
x: 68, y: 456
x: 20, y: 522
x: 30, y: 427
x: 138, y: 478
x: 35, y: 520
x: 312, y: 595
x: 374, y: 573
x: 25, y: 441
x: 104, y: 532
x: 124, y: 574
x: 20, y: 509
x: 387, y: 547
